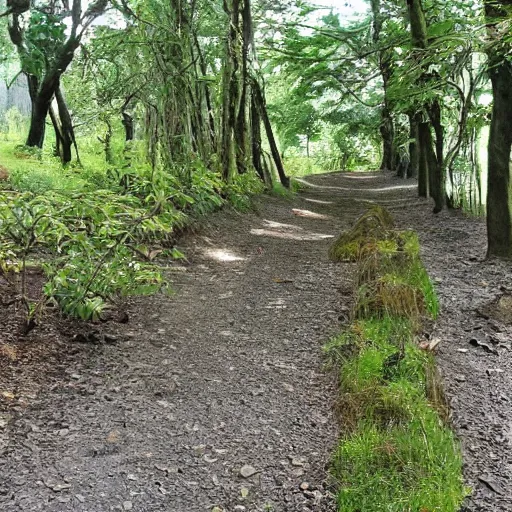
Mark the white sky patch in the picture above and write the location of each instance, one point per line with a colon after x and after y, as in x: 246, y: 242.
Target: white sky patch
x: 349, y: 10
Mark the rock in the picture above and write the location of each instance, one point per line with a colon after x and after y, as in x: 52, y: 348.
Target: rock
x: 4, y: 420
x: 80, y: 498
x: 489, y: 371
x: 244, y: 492
x: 297, y: 461
x: 248, y: 471
x: 491, y: 483
x: 217, y: 509
x: 304, y: 486
x: 460, y: 378
x: 109, y: 338
x: 240, y: 508
x: 127, y: 505
x: 485, y: 346
x: 57, y: 487
x: 199, y: 449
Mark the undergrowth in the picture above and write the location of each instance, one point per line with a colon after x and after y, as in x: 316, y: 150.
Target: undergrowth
x: 396, y: 453
x: 94, y: 229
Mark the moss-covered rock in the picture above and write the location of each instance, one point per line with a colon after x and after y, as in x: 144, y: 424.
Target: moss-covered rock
x: 373, y: 226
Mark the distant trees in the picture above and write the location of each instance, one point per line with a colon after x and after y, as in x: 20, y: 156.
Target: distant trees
x: 46, y: 47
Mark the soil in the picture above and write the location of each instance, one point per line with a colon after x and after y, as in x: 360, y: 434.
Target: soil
x: 216, y: 397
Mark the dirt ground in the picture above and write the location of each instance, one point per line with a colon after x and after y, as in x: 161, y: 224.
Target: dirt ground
x: 216, y: 398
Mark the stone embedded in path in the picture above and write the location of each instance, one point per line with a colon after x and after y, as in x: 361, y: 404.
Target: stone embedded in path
x: 248, y: 471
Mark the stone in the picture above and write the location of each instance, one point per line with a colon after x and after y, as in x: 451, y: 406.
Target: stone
x: 247, y: 471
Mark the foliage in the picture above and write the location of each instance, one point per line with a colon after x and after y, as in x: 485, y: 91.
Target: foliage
x: 89, y: 245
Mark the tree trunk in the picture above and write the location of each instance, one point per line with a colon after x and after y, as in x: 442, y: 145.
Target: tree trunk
x: 387, y: 133
x: 230, y: 88
x: 38, y: 123
x: 430, y: 169
x: 387, y: 130
x: 413, y: 170
x: 436, y: 165
x: 499, y: 191
x: 424, y: 140
x: 128, y: 126
x: 67, y: 132
x: 262, y: 109
x: 241, y: 128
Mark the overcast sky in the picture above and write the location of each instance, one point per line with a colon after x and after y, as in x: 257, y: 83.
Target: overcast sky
x: 347, y: 8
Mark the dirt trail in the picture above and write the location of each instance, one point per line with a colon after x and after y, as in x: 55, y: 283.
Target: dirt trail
x: 225, y: 377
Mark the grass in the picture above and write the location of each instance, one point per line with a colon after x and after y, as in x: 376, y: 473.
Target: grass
x: 396, y: 453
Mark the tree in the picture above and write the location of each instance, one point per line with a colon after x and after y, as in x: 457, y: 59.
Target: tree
x: 499, y: 195
x: 45, y: 52
x: 430, y: 168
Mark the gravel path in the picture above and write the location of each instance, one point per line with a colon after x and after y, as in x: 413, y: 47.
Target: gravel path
x: 215, y: 398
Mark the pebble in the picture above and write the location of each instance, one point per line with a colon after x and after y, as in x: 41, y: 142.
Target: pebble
x: 304, y: 486
x: 127, y: 505
x: 247, y: 471
x: 460, y: 378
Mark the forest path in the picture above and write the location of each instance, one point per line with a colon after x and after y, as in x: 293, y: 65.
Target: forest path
x: 226, y: 376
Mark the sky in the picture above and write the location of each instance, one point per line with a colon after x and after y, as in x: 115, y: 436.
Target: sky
x: 349, y: 9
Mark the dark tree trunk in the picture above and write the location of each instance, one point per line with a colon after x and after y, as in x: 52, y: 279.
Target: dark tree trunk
x: 262, y: 109
x: 230, y: 88
x: 387, y: 133
x: 128, y: 126
x: 241, y: 134
x: 387, y: 129
x: 67, y: 132
x: 207, y: 96
x: 436, y: 165
x: 424, y: 140
x: 38, y: 123
x: 499, y: 191
x: 256, y: 139
x: 430, y: 169
x: 413, y: 170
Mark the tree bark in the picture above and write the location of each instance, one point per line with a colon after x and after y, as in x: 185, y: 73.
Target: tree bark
x: 423, y: 142
x: 499, y: 191
x: 430, y: 169
x: 413, y: 170
x: 436, y: 165
x: 262, y: 109
x: 387, y: 134
x: 387, y: 129
x: 43, y: 96
x: 128, y: 126
x: 230, y: 89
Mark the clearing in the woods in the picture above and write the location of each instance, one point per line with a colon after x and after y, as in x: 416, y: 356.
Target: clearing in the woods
x: 217, y: 397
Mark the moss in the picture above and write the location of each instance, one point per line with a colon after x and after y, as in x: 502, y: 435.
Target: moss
x: 396, y: 452
x: 372, y: 226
